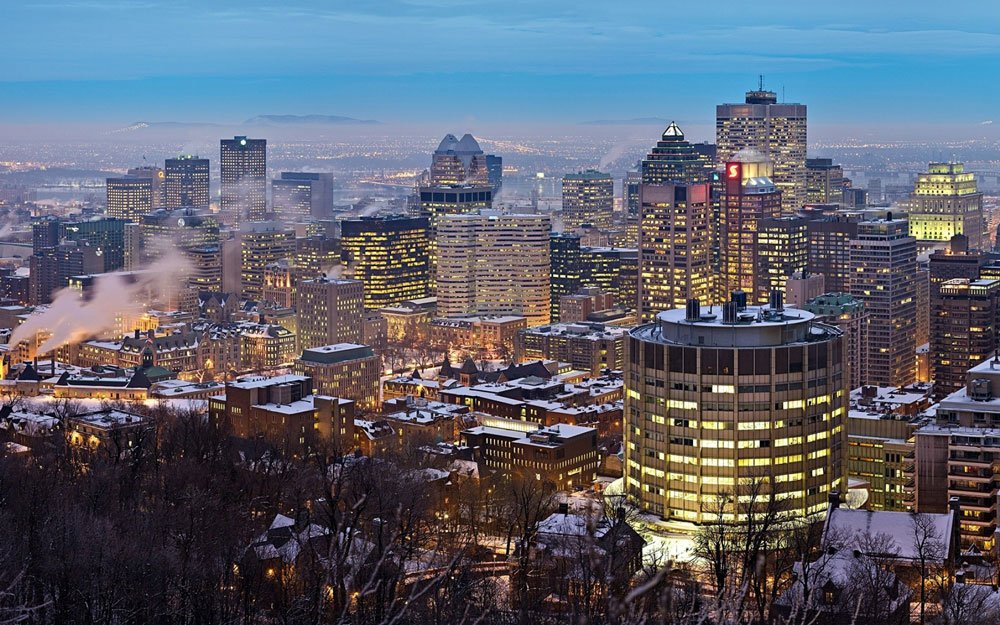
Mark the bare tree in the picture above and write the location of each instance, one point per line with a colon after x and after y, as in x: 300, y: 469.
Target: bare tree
x: 929, y: 553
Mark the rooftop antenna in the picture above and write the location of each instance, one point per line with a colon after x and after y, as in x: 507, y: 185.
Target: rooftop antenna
x: 783, y: 93
x: 760, y: 81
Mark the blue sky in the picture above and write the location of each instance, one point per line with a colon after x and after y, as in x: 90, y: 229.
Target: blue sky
x: 873, y: 62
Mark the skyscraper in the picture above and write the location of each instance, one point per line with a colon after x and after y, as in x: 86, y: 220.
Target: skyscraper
x: 494, y: 170
x: 829, y: 250
x: 243, y: 176
x: 390, y: 256
x: 186, y: 182
x: 459, y: 185
x: 946, y: 202
x: 674, y: 159
x: 696, y: 428
x: 129, y: 197
x: 156, y: 179
x: 848, y: 314
x: 824, y: 181
x: 612, y: 269
x: 674, y: 246
x: 299, y: 196
x: 782, y: 246
x: 564, y: 264
x: 106, y: 236
x: 587, y: 198
x: 459, y: 162
x: 331, y: 311
x: 964, y: 326
x: 749, y: 196
x: 490, y: 263
x: 778, y: 131
x: 883, y: 277
x: 261, y: 243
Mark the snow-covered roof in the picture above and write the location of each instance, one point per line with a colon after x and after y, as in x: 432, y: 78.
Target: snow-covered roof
x: 854, y: 526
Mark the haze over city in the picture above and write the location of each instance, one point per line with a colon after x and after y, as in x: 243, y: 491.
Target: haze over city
x: 514, y: 313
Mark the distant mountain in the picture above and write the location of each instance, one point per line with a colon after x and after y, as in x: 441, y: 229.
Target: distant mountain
x: 306, y: 120
x: 135, y: 126
x: 638, y: 121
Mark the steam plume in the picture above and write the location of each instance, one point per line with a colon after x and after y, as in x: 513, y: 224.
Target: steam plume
x: 71, y: 318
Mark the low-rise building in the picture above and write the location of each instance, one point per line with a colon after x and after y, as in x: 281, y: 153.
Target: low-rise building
x: 560, y: 455
x: 282, y: 411
x: 590, y: 347
x: 115, y: 430
x: 345, y: 370
x: 493, y: 333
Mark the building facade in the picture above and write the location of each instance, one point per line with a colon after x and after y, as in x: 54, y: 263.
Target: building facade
x: 495, y: 264
x: 390, y: 256
x: 714, y: 402
x: 884, y: 279
x: 778, y: 131
x: 243, y: 177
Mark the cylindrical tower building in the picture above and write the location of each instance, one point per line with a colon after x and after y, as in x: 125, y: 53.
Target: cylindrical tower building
x: 717, y: 400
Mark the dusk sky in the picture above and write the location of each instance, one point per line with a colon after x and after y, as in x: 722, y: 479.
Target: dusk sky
x: 114, y: 61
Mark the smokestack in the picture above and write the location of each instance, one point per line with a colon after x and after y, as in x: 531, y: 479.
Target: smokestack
x: 692, y: 310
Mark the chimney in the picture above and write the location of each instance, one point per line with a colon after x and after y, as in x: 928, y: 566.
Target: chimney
x: 137, y: 332
x: 834, y: 499
x: 564, y: 508
x: 692, y: 310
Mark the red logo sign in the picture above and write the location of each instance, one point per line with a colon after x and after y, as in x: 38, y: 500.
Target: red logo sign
x: 733, y: 171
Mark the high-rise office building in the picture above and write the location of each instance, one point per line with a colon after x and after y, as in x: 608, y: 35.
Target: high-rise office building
x: 848, y: 314
x: 261, y: 243
x: 331, y: 310
x: 964, y: 328
x: 829, y: 251
x: 156, y: 177
x: 300, y: 196
x: 243, y: 179
x: 630, y: 192
x: 778, y: 131
x: 782, y: 246
x: 674, y: 246
x: 824, y: 181
x: 883, y: 277
x: 717, y: 402
x: 491, y: 263
x: 612, y: 269
x: 494, y: 172
x: 459, y: 162
x: 51, y: 268
x: 749, y: 196
x: 186, y: 182
x: 459, y: 184
x: 587, y: 198
x: 183, y: 228
x: 956, y: 261
x: 946, y: 202
x: 206, y: 268
x: 106, y: 236
x: 390, y: 255
x: 674, y: 159
x: 129, y: 197
x: 564, y: 268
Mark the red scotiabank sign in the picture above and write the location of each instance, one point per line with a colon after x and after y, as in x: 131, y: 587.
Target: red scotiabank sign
x: 734, y: 171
